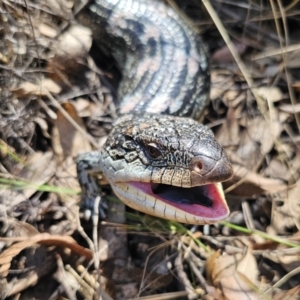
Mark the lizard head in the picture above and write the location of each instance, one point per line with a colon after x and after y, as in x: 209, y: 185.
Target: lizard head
x: 169, y: 167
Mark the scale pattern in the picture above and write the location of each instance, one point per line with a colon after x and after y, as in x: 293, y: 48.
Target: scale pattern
x: 163, y: 62
x: 164, y: 90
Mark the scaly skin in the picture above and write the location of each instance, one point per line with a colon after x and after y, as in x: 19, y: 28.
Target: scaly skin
x: 163, y: 62
x: 156, y: 162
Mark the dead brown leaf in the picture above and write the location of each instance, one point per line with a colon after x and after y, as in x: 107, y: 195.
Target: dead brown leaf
x: 277, y: 169
x: 68, y: 142
x: 37, y: 170
x: 290, y: 108
x: 269, y: 93
x: 229, y: 133
x: 289, y: 262
x: 69, y: 139
x: 287, y: 215
x: 260, y: 132
x: 60, y: 8
x: 292, y: 294
x: 28, y: 88
x: 77, y: 41
x: 234, y: 275
x: 47, y: 30
x: 252, y: 183
x: 223, y: 55
x: 221, y: 81
x: 85, y: 108
x: 3, y: 59
x: 15, y: 228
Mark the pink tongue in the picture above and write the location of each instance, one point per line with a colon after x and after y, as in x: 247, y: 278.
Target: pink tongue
x: 206, y: 201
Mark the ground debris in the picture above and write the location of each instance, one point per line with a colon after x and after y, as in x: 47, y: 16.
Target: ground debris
x: 57, y: 99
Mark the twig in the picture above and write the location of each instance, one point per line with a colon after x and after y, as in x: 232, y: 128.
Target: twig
x: 191, y: 294
x: 284, y: 279
x: 86, y: 291
x: 61, y: 277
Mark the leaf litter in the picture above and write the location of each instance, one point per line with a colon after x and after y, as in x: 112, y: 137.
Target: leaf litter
x: 57, y: 99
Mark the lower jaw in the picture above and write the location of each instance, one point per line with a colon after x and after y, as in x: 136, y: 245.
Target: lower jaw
x: 140, y: 196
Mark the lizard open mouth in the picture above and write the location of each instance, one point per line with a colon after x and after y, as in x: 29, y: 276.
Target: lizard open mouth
x: 205, y: 201
x: 179, y: 195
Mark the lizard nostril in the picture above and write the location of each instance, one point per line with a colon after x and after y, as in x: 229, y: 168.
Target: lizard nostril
x: 198, y: 167
x: 202, y: 165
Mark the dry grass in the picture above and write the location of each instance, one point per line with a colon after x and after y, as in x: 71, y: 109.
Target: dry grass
x: 56, y: 100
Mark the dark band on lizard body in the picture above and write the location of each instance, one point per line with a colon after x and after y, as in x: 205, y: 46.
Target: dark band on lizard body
x: 164, y: 65
x: 156, y: 162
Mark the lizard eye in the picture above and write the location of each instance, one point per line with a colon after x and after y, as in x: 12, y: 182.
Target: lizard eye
x: 153, y: 151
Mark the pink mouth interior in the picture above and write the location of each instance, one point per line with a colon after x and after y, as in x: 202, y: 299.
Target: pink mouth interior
x: 203, y: 201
